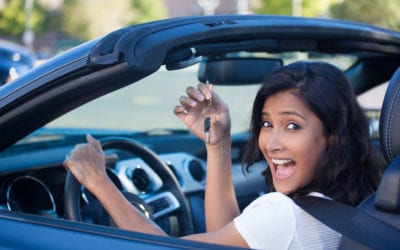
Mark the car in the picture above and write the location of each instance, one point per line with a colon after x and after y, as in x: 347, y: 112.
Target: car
x: 15, y: 60
x: 122, y: 87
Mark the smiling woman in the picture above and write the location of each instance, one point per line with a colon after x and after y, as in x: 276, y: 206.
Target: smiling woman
x: 302, y: 115
x: 313, y: 139
x: 123, y: 88
x: 292, y: 141
x: 321, y: 94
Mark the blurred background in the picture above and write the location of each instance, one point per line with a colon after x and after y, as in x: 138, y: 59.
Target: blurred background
x: 39, y: 29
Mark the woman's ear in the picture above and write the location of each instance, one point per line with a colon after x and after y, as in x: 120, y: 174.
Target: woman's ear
x: 330, y: 139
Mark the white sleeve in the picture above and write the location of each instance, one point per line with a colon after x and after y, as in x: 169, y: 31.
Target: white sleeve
x: 268, y: 222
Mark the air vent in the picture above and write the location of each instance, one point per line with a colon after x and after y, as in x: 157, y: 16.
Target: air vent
x: 141, y: 180
x: 196, y: 170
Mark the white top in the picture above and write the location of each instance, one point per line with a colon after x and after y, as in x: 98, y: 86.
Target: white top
x: 275, y: 221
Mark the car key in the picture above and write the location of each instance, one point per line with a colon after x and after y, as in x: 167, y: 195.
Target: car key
x: 207, y: 120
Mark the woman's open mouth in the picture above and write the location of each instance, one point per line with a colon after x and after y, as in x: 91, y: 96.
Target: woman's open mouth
x: 282, y: 168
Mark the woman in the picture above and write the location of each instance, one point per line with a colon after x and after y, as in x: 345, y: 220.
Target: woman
x: 306, y: 124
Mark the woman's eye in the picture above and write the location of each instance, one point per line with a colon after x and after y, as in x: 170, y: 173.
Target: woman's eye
x: 266, y: 124
x: 293, y: 126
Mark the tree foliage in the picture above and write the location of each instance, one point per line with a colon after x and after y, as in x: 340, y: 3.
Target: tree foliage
x: 383, y: 13
x: 79, y: 19
x: 310, y: 8
x: 87, y: 19
x: 146, y: 10
x: 282, y: 7
x: 13, y: 21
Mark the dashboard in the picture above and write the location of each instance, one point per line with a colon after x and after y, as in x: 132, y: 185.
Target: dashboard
x: 34, y: 183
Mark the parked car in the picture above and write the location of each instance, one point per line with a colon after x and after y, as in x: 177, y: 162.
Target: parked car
x: 15, y: 60
x: 122, y: 88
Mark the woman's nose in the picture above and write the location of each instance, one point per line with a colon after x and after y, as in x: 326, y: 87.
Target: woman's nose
x: 275, y: 142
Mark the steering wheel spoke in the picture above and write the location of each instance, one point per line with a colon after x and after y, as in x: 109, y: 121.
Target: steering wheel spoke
x: 163, y: 204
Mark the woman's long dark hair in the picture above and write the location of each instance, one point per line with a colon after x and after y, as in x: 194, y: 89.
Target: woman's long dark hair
x: 348, y: 171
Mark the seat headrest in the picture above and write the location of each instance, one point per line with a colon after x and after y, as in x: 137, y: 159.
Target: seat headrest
x: 388, y: 194
x: 389, y: 123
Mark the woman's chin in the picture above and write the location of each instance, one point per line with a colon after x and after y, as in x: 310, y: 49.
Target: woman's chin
x: 283, y: 189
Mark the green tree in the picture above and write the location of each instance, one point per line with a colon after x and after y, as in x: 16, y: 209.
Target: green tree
x: 310, y: 8
x: 146, y: 10
x: 383, y: 13
x: 87, y: 19
x: 13, y: 18
x: 282, y: 7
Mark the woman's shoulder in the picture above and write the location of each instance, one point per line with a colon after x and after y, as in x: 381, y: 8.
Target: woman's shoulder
x: 275, y: 206
x: 272, y: 198
x: 269, y: 217
x: 276, y: 216
x: 280, y: 198
x: 272, y: 206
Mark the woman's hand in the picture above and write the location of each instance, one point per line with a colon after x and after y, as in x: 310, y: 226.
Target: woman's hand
x: 86, y: 162
x: 191, y: 113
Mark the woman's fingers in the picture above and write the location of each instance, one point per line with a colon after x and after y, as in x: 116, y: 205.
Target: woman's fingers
x: 179, y: 110
x: 206, y: 90
x: 187, y: 102
x: 94, y: 143
x: 195, y: 94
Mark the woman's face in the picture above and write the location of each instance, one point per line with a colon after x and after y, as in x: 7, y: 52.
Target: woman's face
x: 292, y: 140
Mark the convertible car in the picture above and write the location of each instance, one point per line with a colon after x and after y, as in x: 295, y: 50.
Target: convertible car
x: 121, y: 88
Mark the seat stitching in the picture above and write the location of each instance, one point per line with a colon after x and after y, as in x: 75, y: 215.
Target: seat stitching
x: 391, y: 117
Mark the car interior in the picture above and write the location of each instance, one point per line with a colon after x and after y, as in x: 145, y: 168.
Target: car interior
x: 385, y: 203
x: 153, y: 160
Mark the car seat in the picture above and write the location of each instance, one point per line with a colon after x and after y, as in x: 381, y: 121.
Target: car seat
x: 384, y: 204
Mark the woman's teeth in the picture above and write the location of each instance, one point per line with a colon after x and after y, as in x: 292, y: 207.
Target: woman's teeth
x: 283, y: 168
x: 281, y: 162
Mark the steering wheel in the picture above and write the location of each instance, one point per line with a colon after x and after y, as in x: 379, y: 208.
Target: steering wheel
x: 169, y: 191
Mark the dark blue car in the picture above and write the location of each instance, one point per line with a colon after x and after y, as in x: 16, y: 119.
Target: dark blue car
x: 122, y: 88
x: 15, y: 60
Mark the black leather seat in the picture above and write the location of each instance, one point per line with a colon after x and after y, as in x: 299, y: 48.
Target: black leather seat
x: 384, y: 204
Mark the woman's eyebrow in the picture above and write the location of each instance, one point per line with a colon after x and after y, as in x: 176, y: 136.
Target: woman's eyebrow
x: 285, y: 113
x: 293, y: 113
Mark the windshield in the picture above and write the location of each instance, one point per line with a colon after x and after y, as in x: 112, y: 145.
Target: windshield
x: 148, y: 104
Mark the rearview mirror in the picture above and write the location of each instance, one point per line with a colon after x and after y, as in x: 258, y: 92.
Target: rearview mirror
x: 237, y: 71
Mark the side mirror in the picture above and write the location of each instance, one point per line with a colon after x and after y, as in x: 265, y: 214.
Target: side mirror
x: 237, y: 71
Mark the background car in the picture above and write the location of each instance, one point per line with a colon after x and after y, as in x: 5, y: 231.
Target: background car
x: 15, y: 60
x: 122, y: 88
